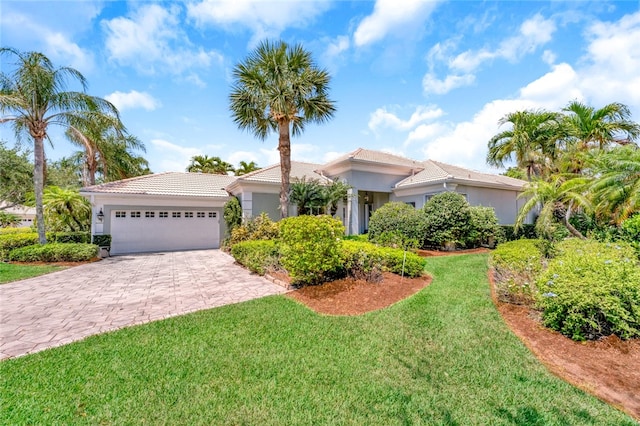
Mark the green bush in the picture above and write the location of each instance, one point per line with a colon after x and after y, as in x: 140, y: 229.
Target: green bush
x: 310, y: 247
x: 396, y: 218
x: 232, y: 214
x: 516, y: 265
x: 69, y: 237
x: 631, y: 227
x: 257, y: 228
x: 591, y: 289
x: 10, y: 241
x: 54, y: 252
x: 485, y: 229
x: 364, y: 260
x: 102, y: 240
x: 527, y: 231
x: 22, y: 230
x: 259, y: 256
x: 447, y: 220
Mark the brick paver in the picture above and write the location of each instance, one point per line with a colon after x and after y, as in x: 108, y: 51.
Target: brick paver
x: 69, y: 305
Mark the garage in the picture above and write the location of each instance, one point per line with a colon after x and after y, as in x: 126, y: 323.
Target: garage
x: 135, y: 231
x: 160, y: 212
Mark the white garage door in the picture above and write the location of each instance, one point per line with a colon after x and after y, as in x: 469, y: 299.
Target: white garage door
x: 135, y: 231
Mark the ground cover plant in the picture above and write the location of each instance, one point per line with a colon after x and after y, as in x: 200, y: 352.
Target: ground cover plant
x: 13, y: 272
x: 441, y: 357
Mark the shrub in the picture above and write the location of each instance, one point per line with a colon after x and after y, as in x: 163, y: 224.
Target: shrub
x: 310, y: 247
x: 447, y: 219
x: 591, y: 289
x: 257, y: 228
x: 54, y: 252
x: 398, y: 219
x: 366, y: 260
x: 102, y: 240
x: 527, y: 231
x: 485, y: 229
x: 22, y: 230
x: 259, y: 256
x: 631, y: 227
x: 516, y: 266
x: 69, y: 237
x: 232, y: 214
x: 10, y: 241
x: 397, y: 239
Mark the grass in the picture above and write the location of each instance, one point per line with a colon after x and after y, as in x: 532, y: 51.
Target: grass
x: 12, y: 272
x: 442, y: 357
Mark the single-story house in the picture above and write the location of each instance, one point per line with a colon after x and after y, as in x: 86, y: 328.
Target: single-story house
x: 26, y: 214
x: 177, y: 211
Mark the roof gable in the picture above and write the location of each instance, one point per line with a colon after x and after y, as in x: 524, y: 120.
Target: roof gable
x: 272, y: 174
x: 373, y: 158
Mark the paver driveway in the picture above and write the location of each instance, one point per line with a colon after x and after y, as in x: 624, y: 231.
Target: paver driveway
x: 59, y: 308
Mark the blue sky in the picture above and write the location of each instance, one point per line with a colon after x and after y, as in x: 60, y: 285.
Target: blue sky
x: 423, y: 79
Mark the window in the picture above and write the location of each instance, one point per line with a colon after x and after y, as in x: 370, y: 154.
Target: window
x: 188, y: 214
x: 213, y: 214
x: 200, y: 214
x: 163, y: 214
x: 176, y: 214
x: 121, y: 214
x: 135, y: 214
x: 149, y: 214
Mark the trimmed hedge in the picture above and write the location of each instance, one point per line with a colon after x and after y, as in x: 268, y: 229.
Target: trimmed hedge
x: 362, y: 260
x: 54, y: 252
x: 591, y: 289
x: 102, y: 240
x: 11, y: 241
x: 447, y: 220
x: 69, y: 237
x: 258, y: 256
x: 516, y: 266
x: 396, y: 218
x: 21, y: 230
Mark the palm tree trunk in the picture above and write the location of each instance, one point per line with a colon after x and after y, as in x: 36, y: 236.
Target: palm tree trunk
x: 284, y: 146
x: 569, y: 226
x: 38, y: 183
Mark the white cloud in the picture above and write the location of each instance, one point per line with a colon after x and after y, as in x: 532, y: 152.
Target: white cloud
x: 151, y: 40
x: 174, y: 157
x: 247, y: 156
x: 382, y: 118
x: 132, y: 100
x: 265, y: 19
x: 391, y: 17
x: 553, y: 89
x: 534, y: 32
x: 431, y: 84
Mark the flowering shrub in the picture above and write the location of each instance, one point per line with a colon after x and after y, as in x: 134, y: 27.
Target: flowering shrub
x: 591, y: 289
x: 516, y: 266
x: 310, y: 247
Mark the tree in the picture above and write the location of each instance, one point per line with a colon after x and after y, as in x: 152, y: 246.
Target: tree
x: 560, y: 197
x: 120, y: 163
x: 336, y: 191
x: 308, y: 195
x: 16, y: 177
x: 33, y: 96
x: 66, y: 210
x: 9, y: 219
x: 244, y: 168
x: 598, y: 128
x: 531, y: 141
x: 616, y: 188
x: 206, y: 164
x: 279, y: 88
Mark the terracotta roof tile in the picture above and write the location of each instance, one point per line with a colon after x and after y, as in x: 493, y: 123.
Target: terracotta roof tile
x: 435, y: 171
x: 271, y: 174
x: 371, y: 156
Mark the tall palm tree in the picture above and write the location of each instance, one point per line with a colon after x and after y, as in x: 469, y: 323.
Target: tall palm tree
x: 206, y: 164
x: 280, y: 88
x: 33, y: 96
x: 119, y: 162
x: 244, y: 168
x: 531, y: 141
x: 598, y: 128
x: 560, y: 196
x: 616, y: 188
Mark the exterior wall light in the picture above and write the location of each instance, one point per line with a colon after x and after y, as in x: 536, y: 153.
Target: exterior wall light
x: 100, y: 215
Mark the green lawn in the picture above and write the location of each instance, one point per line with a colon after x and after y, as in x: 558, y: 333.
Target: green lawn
x: 442, y: 357
x: 12, y: 272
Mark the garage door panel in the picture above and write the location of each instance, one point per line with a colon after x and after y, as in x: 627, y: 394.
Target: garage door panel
x: 131, y: 234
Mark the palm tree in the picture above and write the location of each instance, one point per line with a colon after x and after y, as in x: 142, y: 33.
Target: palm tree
x: 598, y: 128
x: 120, y: 163
x: 616, y: 189
x: 308, y: 195
x: 279, y: 88
x: 560, y: 196
x: 531, y: 142
x: 206, y: 164
x: 66, y: 210
x: 35, y: 96
x: 244, y: 168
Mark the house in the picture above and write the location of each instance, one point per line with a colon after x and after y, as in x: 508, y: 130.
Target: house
x: 26, y: 214
x: 177, y: 211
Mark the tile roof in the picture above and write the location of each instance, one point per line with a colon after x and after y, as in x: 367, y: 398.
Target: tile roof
x: 271, y: 174
x: 371, y: 156
x: 436, y: 171
x: 168, y: 183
